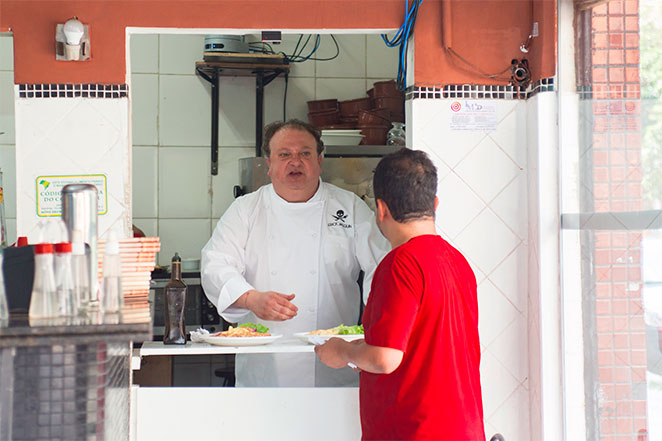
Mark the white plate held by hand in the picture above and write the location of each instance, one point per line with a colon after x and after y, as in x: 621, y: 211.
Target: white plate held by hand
x: 321, y: 339
x: 240, y: 341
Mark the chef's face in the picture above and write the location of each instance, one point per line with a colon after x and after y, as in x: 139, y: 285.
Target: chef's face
x: 294, y: 165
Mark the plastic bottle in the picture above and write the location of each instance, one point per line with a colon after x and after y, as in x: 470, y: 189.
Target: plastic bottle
x: 112, y: 300
x: 175, y: 299
x: 64, y: 280
x: 81, y: 272
x: 42, y: 302
x: 4, y: 306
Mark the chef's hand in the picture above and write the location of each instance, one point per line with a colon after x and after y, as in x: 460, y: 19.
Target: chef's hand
x: 270, y: 305
x: 332, y: 353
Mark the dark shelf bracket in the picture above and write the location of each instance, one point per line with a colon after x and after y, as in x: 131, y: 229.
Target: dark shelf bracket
x: 262, y: 78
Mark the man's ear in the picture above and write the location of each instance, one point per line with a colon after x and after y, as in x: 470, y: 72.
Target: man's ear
x: 381, y: 210
x: 436, y: 203
x: 268, y: 165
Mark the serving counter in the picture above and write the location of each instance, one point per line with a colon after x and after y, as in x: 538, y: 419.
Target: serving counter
x: 270, y: 413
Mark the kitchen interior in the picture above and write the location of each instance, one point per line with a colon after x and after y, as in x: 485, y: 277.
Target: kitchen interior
x: 497, y: 186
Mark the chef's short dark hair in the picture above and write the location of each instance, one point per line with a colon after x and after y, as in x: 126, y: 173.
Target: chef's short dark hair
x: 273, y: 128
x: 406, y: 181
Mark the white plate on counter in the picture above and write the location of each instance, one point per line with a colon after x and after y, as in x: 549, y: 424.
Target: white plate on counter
x: 320, y: 339
x: 240, y: 341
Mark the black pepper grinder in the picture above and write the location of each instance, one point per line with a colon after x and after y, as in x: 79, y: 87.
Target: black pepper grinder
x: 175, y: 299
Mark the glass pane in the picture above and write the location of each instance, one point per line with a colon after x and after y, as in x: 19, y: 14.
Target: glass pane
x: 619, y: 75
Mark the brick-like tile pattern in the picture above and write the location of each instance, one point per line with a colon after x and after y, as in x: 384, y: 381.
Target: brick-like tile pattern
x: 617, y: 186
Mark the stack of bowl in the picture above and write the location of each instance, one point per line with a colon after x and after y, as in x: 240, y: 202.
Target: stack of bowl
x: 373, y: 114
x: 323, y: 113
x: 385, y: 95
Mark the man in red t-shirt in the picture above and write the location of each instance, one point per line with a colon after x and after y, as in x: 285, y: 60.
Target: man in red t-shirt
x: 420, y: 359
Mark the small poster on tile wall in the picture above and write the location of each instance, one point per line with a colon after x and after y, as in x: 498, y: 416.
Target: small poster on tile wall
x: 49, y: 192
x: 473, y: 115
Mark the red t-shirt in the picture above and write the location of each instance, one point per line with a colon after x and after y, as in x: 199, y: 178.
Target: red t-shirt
x: 423, y: 302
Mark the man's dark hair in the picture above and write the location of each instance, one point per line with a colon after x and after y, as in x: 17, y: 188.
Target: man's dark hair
x: 273, y: 128
x: 407, y: 182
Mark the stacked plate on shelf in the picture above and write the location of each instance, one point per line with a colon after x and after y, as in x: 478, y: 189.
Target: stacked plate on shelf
x: 341, y: 137
x: 138, y: 256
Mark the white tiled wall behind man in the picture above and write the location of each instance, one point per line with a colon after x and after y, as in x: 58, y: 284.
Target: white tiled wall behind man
x: 7, y: 147
x: 174, y: 194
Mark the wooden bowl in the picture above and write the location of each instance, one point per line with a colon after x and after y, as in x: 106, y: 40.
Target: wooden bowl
x: 322, y: 105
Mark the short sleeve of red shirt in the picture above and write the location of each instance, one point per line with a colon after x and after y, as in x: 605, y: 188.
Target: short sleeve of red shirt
x: 393, y: 312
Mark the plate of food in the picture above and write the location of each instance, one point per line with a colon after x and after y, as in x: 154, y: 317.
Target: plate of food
x: 320, y: 336
x: 246, y: 334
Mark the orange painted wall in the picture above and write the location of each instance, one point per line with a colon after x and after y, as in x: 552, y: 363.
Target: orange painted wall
x: 486, y: 31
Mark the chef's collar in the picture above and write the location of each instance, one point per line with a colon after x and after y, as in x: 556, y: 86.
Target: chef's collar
x: 317, y: 197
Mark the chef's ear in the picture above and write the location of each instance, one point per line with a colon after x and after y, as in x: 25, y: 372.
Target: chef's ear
x: 268, y: 166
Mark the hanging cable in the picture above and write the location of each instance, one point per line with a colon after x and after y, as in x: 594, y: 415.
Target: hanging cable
x: 401, y: 39
x: 296, y: 55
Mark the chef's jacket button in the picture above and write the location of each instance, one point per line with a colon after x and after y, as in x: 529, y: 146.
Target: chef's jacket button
x: 311, y: 309
x: 273, y: 273
x: 312, y: 272
x: 314, y: 234
x: 272, y: 237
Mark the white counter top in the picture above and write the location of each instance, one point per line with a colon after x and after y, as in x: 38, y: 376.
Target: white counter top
x: 280, y: 345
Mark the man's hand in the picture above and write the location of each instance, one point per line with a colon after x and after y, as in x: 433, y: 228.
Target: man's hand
x: 333, y: 353
x: 270, y: 305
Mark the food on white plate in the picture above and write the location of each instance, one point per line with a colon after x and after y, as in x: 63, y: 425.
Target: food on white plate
x: 339, y: 330
x: 244, y: 330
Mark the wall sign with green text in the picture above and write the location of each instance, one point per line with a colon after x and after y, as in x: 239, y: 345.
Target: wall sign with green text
x: 49, y: 192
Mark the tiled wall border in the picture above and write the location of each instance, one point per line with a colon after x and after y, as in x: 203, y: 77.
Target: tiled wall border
x: 73, y: 90
x: 471, y: 91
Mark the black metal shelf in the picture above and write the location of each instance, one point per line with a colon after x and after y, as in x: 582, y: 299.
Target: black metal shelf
x: 265, y: 68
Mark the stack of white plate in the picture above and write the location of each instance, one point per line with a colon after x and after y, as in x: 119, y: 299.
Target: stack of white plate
x: 341, y: 137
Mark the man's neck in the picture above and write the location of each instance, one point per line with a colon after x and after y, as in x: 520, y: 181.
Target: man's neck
x: 404, y: 232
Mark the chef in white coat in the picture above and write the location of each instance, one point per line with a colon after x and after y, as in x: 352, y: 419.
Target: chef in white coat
x: 288, y: 256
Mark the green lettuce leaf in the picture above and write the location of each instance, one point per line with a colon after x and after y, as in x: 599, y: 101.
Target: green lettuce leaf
x: 256, y: 328
x: 350, y: 330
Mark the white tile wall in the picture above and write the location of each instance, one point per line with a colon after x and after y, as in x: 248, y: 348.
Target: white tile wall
x: 483, y: 212
x: 145, y: 183
x: 148, y: 48
x: 184, y: 110
x: 185, y: 236
x: 73, y: 136
x: 145, y: 109
x: 7, y: 149
x: 6, y: 106
x: 184, y: 180
x: 7, y: 52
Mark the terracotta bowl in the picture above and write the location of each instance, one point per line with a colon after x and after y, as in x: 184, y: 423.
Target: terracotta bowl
x: 386, y: 88
x: 395, y: 104
x: 325, y: 118
x: 322, y: 105
x: 350, y: 108
x: 374, y: 135
x: 379, y: 117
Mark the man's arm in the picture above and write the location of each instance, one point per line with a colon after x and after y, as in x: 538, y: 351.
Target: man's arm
x: 336, y: 353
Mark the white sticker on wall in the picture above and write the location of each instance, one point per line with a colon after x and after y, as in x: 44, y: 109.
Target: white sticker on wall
x: 473, y: 115
x: 49, y: 192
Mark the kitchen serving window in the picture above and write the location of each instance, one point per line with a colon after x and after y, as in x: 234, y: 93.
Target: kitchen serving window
x: 612, y: 223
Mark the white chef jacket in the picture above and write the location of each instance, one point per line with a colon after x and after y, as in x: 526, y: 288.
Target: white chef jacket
x: 314, y: 249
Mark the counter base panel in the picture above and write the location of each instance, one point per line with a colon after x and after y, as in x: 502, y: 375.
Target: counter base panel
x: 246, y: 413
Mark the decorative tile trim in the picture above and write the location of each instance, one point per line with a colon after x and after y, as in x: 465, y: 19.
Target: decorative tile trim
x: 471, y: 91
x: 73, y: 90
